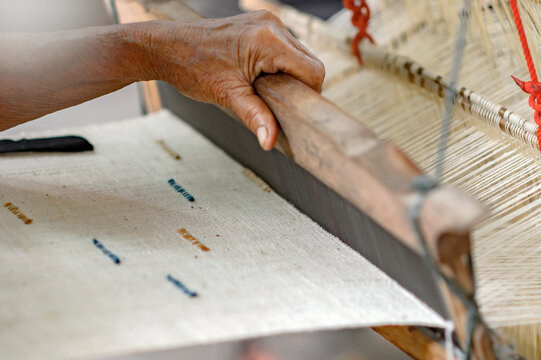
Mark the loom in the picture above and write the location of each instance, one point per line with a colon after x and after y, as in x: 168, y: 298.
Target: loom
x: 493, y: 148
x: 344, y: 160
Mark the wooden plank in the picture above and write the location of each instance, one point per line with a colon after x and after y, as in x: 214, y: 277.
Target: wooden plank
x: 374, y: 176
x: 151, y: 96
x: 413, y: 342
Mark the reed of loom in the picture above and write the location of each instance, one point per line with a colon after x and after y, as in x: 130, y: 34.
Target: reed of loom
x: 519, y: 162
x: 374, y: 176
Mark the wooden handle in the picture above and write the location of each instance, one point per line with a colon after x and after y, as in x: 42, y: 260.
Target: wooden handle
x: 373, y: 175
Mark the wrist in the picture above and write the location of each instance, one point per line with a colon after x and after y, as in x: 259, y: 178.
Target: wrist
x: 151, y: 48
x: 137, y: 59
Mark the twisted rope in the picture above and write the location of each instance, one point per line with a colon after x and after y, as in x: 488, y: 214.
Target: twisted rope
x: 533, y: 87
x: 423, y: 185
x: 359, y: 19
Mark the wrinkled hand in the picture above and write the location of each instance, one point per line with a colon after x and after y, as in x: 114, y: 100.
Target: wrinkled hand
x: 218, y: 60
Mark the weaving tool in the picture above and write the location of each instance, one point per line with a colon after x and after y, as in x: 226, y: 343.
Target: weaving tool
x: 404, y: 29
x: 60, y: 144
x: 309, y: 156
x: 510, y: 166
x: 117, y: 166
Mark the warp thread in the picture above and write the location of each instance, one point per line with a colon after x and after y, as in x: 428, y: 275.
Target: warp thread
x: 533, y: 87
x: 359, y: 19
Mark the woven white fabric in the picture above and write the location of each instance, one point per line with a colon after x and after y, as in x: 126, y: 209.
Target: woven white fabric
x: 270, y: 269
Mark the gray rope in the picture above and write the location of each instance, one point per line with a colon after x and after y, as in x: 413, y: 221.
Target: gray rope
x: 423, y: 185
x: 114, y: 12
x: 450, y: 92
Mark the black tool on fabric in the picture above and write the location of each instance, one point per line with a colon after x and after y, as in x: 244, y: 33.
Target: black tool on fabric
x: 52, y: 144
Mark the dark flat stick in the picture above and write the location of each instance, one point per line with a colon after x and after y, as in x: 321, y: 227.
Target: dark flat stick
x: 53, y: 144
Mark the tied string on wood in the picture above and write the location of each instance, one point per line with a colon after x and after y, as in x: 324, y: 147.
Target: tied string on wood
x: 359, y: 19
x: 533, y: 87
x: 423, y: 185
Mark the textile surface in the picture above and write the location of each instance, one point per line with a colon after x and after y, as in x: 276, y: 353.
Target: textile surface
x: 237, y: 262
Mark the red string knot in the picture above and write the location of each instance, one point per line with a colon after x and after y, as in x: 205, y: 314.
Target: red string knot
x: 359, y: 19
x: 534, y: 89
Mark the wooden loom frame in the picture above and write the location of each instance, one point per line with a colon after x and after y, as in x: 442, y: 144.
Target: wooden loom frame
x: 372, y: 175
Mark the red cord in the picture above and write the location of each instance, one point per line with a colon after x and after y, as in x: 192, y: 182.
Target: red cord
x: 532, y: 87
x: 360, y: 19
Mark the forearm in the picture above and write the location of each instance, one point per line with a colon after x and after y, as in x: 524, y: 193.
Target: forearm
x: 213, y: 61
x: 42, y: 73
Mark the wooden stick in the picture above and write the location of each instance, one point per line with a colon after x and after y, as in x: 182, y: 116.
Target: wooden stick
x: 374, y: 176
x: 413, y: 342
x: 151, y: 96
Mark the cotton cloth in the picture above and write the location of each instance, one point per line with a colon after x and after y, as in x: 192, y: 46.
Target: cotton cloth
x: 269, y: 270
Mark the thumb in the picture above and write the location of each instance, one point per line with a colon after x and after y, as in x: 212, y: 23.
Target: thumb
x: 257, y: 116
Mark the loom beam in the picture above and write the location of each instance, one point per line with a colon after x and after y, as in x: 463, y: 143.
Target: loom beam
x: 367, y: 174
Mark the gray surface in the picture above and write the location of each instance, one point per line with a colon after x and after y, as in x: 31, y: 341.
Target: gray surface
x: 51, y: 15
x: 360, y: 344
x: 222, y: 8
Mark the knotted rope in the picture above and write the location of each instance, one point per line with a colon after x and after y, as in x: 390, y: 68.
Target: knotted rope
x: 359, y: 19
x: 424, y: 185
x: 532, y: 87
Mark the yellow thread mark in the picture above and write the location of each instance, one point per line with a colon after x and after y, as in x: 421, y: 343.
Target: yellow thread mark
x: 168, y: 150
x: 15, y: 210
x: 190, y: 238
x: 256, y: 179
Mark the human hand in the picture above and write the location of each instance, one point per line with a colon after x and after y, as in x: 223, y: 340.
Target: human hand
x: 218, y: 60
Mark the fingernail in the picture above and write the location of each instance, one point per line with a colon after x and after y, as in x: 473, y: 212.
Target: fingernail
x: 262, y: 135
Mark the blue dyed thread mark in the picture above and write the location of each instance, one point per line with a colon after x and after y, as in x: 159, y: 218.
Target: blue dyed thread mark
x: 181, y: 190
x: 112, y: 256
x: 181, y: 286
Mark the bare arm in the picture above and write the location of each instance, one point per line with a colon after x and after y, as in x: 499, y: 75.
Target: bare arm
x: 42, y: 73
x: 211, y: 60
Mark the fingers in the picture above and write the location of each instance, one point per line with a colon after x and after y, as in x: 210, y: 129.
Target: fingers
x: 307, y: 69
x: 285, y: 54
x: 299, y: 46
x: 282, y: 53
x: 256, y: 115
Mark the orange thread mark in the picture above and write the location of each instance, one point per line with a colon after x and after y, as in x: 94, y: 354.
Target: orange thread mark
x: 256, y: 179
x: 168, y: 150
x: 193, y: 240
x: 15, y: 210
